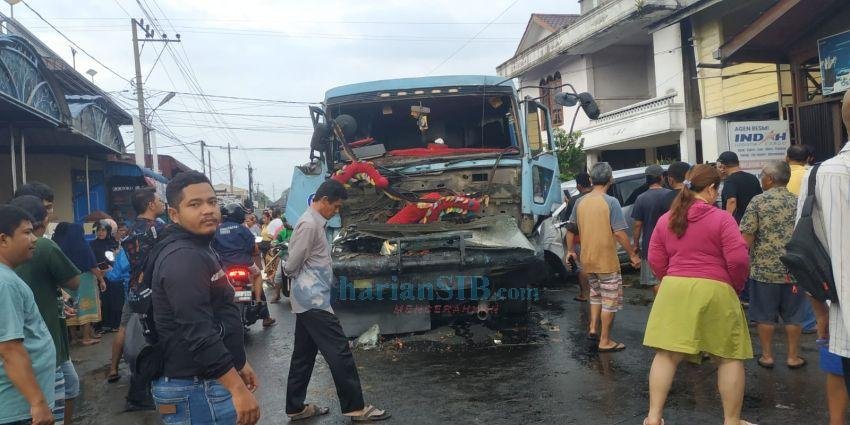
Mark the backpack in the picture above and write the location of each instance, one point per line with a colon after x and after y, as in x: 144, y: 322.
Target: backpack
x: 805, y: 257
x: 138, y: 245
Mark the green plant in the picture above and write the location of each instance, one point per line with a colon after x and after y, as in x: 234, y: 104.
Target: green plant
x: 570, y: 150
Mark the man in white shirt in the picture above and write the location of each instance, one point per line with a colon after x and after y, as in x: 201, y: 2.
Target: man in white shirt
x: 832, y: 227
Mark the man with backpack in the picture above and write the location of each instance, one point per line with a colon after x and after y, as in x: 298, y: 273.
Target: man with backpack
x: 236, y: 247
x: 141, y: 237
x: 197, y: 360
x: 831, y: 226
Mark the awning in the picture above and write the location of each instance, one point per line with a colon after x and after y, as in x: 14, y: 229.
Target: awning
x: 769, y: 38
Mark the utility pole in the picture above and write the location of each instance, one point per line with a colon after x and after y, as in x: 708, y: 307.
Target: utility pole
x: 203, y: 163
x: 140, y: 95
x: 230, y: 167
x: 209, y: 164
x: 250, y: 185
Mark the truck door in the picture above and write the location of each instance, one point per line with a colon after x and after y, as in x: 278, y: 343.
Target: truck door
x: 541, y: 184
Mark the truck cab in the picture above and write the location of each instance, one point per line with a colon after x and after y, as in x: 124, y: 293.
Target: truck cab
x: 447, y: 178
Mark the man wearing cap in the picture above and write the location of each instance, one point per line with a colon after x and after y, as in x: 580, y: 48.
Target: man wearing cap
x: 739, y: 186
x: 676, y: 176
x: 646, y: 211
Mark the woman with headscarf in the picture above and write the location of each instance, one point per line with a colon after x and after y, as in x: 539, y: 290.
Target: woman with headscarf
x: 112, y: 297
x: 70, y: 238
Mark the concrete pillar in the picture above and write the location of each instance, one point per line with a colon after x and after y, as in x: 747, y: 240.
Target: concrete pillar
x: 592, y: 158
x: 649, y: 154
x: 715, y: 138
x: 688, y: 145
x: 669, y: 66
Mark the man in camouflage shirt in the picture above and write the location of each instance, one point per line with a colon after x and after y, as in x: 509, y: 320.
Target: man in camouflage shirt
x: 767, y: 226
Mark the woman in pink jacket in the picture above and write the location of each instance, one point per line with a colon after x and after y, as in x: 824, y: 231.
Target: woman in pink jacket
x: 700, y: 257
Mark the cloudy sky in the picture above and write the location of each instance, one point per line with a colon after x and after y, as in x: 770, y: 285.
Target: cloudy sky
x: 278, y: 50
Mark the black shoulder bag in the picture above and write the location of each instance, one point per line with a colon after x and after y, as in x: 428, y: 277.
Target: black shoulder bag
x: 805, y: 257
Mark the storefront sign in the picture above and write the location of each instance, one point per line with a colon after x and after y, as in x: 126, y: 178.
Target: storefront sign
x: 757, y: 142
x: 834, y: 52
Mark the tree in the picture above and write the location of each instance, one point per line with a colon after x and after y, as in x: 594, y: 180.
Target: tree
x: 570, y: 150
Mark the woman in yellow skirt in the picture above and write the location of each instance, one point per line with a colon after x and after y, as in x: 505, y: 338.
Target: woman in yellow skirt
x: 700, y: 256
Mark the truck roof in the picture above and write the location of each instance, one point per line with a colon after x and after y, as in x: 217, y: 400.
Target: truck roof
x: 418, y: 83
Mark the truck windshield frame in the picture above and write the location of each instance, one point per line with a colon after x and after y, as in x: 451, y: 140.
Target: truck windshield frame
x: 476, y: 120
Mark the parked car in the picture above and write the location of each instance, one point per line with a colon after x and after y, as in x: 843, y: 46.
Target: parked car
x: 628, y: 185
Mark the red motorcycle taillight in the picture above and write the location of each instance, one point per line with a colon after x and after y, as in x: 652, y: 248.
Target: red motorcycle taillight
x: 237, y: 273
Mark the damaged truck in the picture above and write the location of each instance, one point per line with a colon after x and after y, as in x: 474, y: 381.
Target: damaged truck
x: 449, y: 179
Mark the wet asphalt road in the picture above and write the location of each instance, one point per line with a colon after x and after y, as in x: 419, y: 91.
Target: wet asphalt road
x: 544, y: 371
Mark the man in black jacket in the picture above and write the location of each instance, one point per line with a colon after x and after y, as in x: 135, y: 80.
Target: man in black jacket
x: 206, y: 377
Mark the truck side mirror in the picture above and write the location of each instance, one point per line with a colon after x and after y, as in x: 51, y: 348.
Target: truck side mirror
x: 585, y: 100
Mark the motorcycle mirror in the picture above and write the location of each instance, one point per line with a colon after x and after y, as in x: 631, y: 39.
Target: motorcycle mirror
x: 109, y: 255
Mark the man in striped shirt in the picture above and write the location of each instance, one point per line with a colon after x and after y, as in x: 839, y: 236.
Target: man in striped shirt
x: 832, y: 227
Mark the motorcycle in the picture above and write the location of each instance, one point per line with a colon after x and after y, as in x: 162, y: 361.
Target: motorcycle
x: 275, y: 256
x: 240, y: 279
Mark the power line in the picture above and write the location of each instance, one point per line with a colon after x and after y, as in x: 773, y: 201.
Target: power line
x: 473, y: 37
x: 300, y: 21
x: 236, y: 114
x: 73, y: 43
x: 291, y: 102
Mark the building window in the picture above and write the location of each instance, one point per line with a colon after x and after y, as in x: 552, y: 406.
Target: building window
x: 550, y: 86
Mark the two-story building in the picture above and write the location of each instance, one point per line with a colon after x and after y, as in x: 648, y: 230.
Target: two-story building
x: 650, y: 66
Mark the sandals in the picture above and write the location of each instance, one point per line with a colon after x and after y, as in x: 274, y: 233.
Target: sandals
x: 618, y: 346
x: 113, y: 378
x: 310, y: 410
x: 764, y: 364
x: 799, y: 365
x: 367, y: 415
x: 579, y: 299
x: 644, y: 421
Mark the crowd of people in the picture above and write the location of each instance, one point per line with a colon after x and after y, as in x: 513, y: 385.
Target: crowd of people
x: 710, y: 246
x: 162, y: 288
x: 165, y: 284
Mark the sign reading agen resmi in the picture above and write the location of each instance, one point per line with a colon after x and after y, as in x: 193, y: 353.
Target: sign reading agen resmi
x: 757, y: 142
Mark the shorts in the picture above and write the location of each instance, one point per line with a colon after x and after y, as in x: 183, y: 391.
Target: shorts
x: 606, y: 289
x: 59, y: 393
x: 647, y: 278
x: 126, y: 313
x: 830, y: 362
x: 66, y: 387
x: 770, y: 301
x: 72, y: 380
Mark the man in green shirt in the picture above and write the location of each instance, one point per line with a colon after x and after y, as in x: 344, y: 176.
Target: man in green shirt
x: 27, y: 355
x: 48, y: 272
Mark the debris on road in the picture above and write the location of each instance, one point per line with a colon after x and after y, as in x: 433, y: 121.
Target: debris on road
x: 369, y: 339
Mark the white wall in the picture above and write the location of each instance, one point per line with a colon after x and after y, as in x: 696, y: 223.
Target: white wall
x: 715, y: 138
x: 620, y: 76
x: 669, y: 67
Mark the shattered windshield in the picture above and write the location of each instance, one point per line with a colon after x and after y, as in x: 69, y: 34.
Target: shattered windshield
x: 433, y: 126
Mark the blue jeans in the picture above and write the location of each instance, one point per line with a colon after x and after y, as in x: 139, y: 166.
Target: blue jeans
x: 193, y: 402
